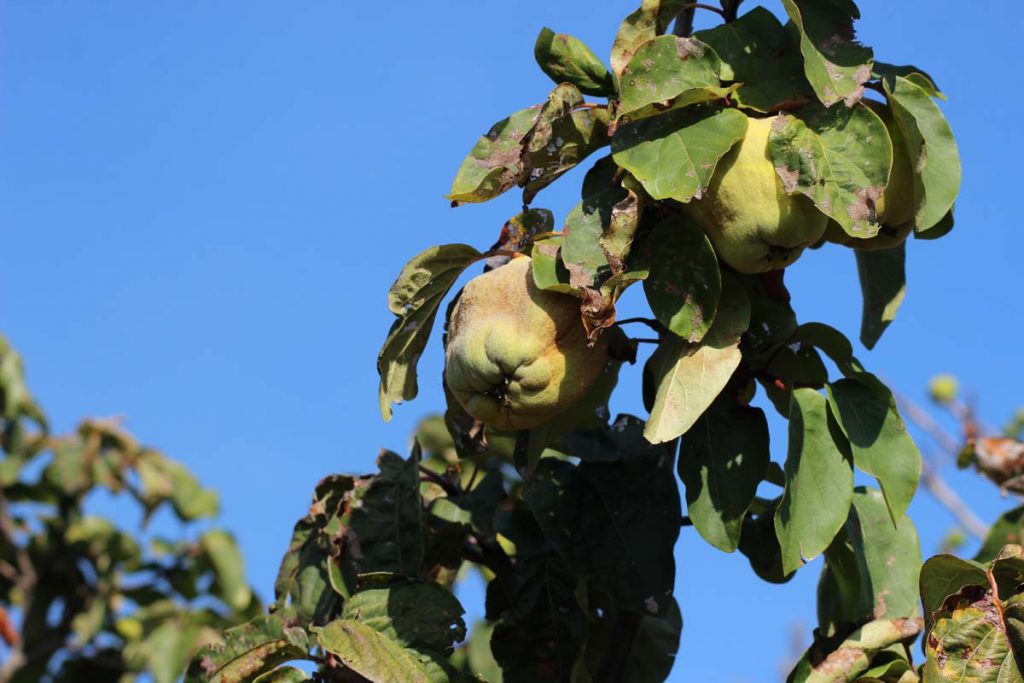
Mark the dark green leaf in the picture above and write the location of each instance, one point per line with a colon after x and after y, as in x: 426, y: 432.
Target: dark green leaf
x: 756, y: 51
x: 836, y: 65
x: 424, y: 616
x: 722, y: 460
x: 566, y: 59
x: 943, y: 575
x: 1009, y: 528
x: 878, y: 439
x: 684, y: 284
x: 916, y: 76
x: 414, y: 298
x: 760, y: 543
x: 883, y: 284
x: 819, y: 481
x: 674, y: 155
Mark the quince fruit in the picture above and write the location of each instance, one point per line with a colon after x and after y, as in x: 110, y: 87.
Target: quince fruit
x: 753, y: 224
x: 518, y: 355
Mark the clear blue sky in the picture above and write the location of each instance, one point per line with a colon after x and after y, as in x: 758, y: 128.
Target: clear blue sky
x: 203, y: 204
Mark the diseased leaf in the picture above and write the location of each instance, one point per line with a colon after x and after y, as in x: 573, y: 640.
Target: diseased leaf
x: 548, y: 270
x: 246, y: 651
x: 667, y: 72
x: 564, y: 134
x: 689, y: 377
x: 566, y: 59
x: 837, y: 662
x: 836, y: 65
x: 878, y: 439
x: 722, y: 460
x: 942, y: 576
x: 819, y: 481
x: 757, y: 53
x: 931, y: 147
x: 414, y: 299
x: 641, y: 26
x: 970, y: 640
x: 494, y: 165
x: 840, y: 158
x: 674, y: 155
x: 883, y: 284
x: 378, y: 658
x: 684, y: 284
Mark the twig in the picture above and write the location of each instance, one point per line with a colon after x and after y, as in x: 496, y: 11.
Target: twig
x: 701, y: 5
x: 923, y: 420
x: 944, y: 493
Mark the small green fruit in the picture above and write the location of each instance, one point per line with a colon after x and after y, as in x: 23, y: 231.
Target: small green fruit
x: 895, y: 209
x: 753, y: 224
x: 943, y: 388
x: 518, y: 355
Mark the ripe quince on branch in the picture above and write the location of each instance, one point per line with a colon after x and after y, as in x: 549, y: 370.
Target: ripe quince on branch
x: 518, y: 355
x: 753, y: 224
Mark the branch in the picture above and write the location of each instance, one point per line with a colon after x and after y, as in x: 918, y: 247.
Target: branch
x: 429, y: 475
x: 944, y: 493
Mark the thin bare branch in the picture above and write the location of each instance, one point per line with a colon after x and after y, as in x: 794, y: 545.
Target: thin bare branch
x: 934, y: 484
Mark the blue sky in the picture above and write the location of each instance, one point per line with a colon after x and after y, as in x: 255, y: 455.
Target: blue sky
x: 203, y: 205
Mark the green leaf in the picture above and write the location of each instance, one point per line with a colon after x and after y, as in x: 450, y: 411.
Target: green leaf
x: 582, y: 254
x: 666, y: 73
x: 916, y: 76
x: 674, y: 155
x: 549, y: 272
x: 943, y: 575
x: 872, y: 567
x: 566, y: 59
x: 819, y: 481
x: 940, y: 229
x: 414, y: 299
x: 931, y: 147
x: 1009, y: 528
x: 684, y: 284
x: 883, y: 284
x: 228, y: 566
x: 840, y: 158
x: 756, y: 52
x: 424, y: 616
x: 495, y: 162
x: 722, y: 460
x: 878, y: 439
x: 246, y: 652
x: 836, y: 65
x: 378, y: 658
x: 615, y: 205
x: 641, y: 26
x: 689, y: 377
x: 760, y: 543
x: 564, y: 134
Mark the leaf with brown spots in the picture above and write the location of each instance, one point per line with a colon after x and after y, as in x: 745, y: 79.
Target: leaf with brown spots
x: 836, y: 64
x: 840, y: 158
x: 246, y: 652
x: 566, y: 59
x: 827, y: 661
